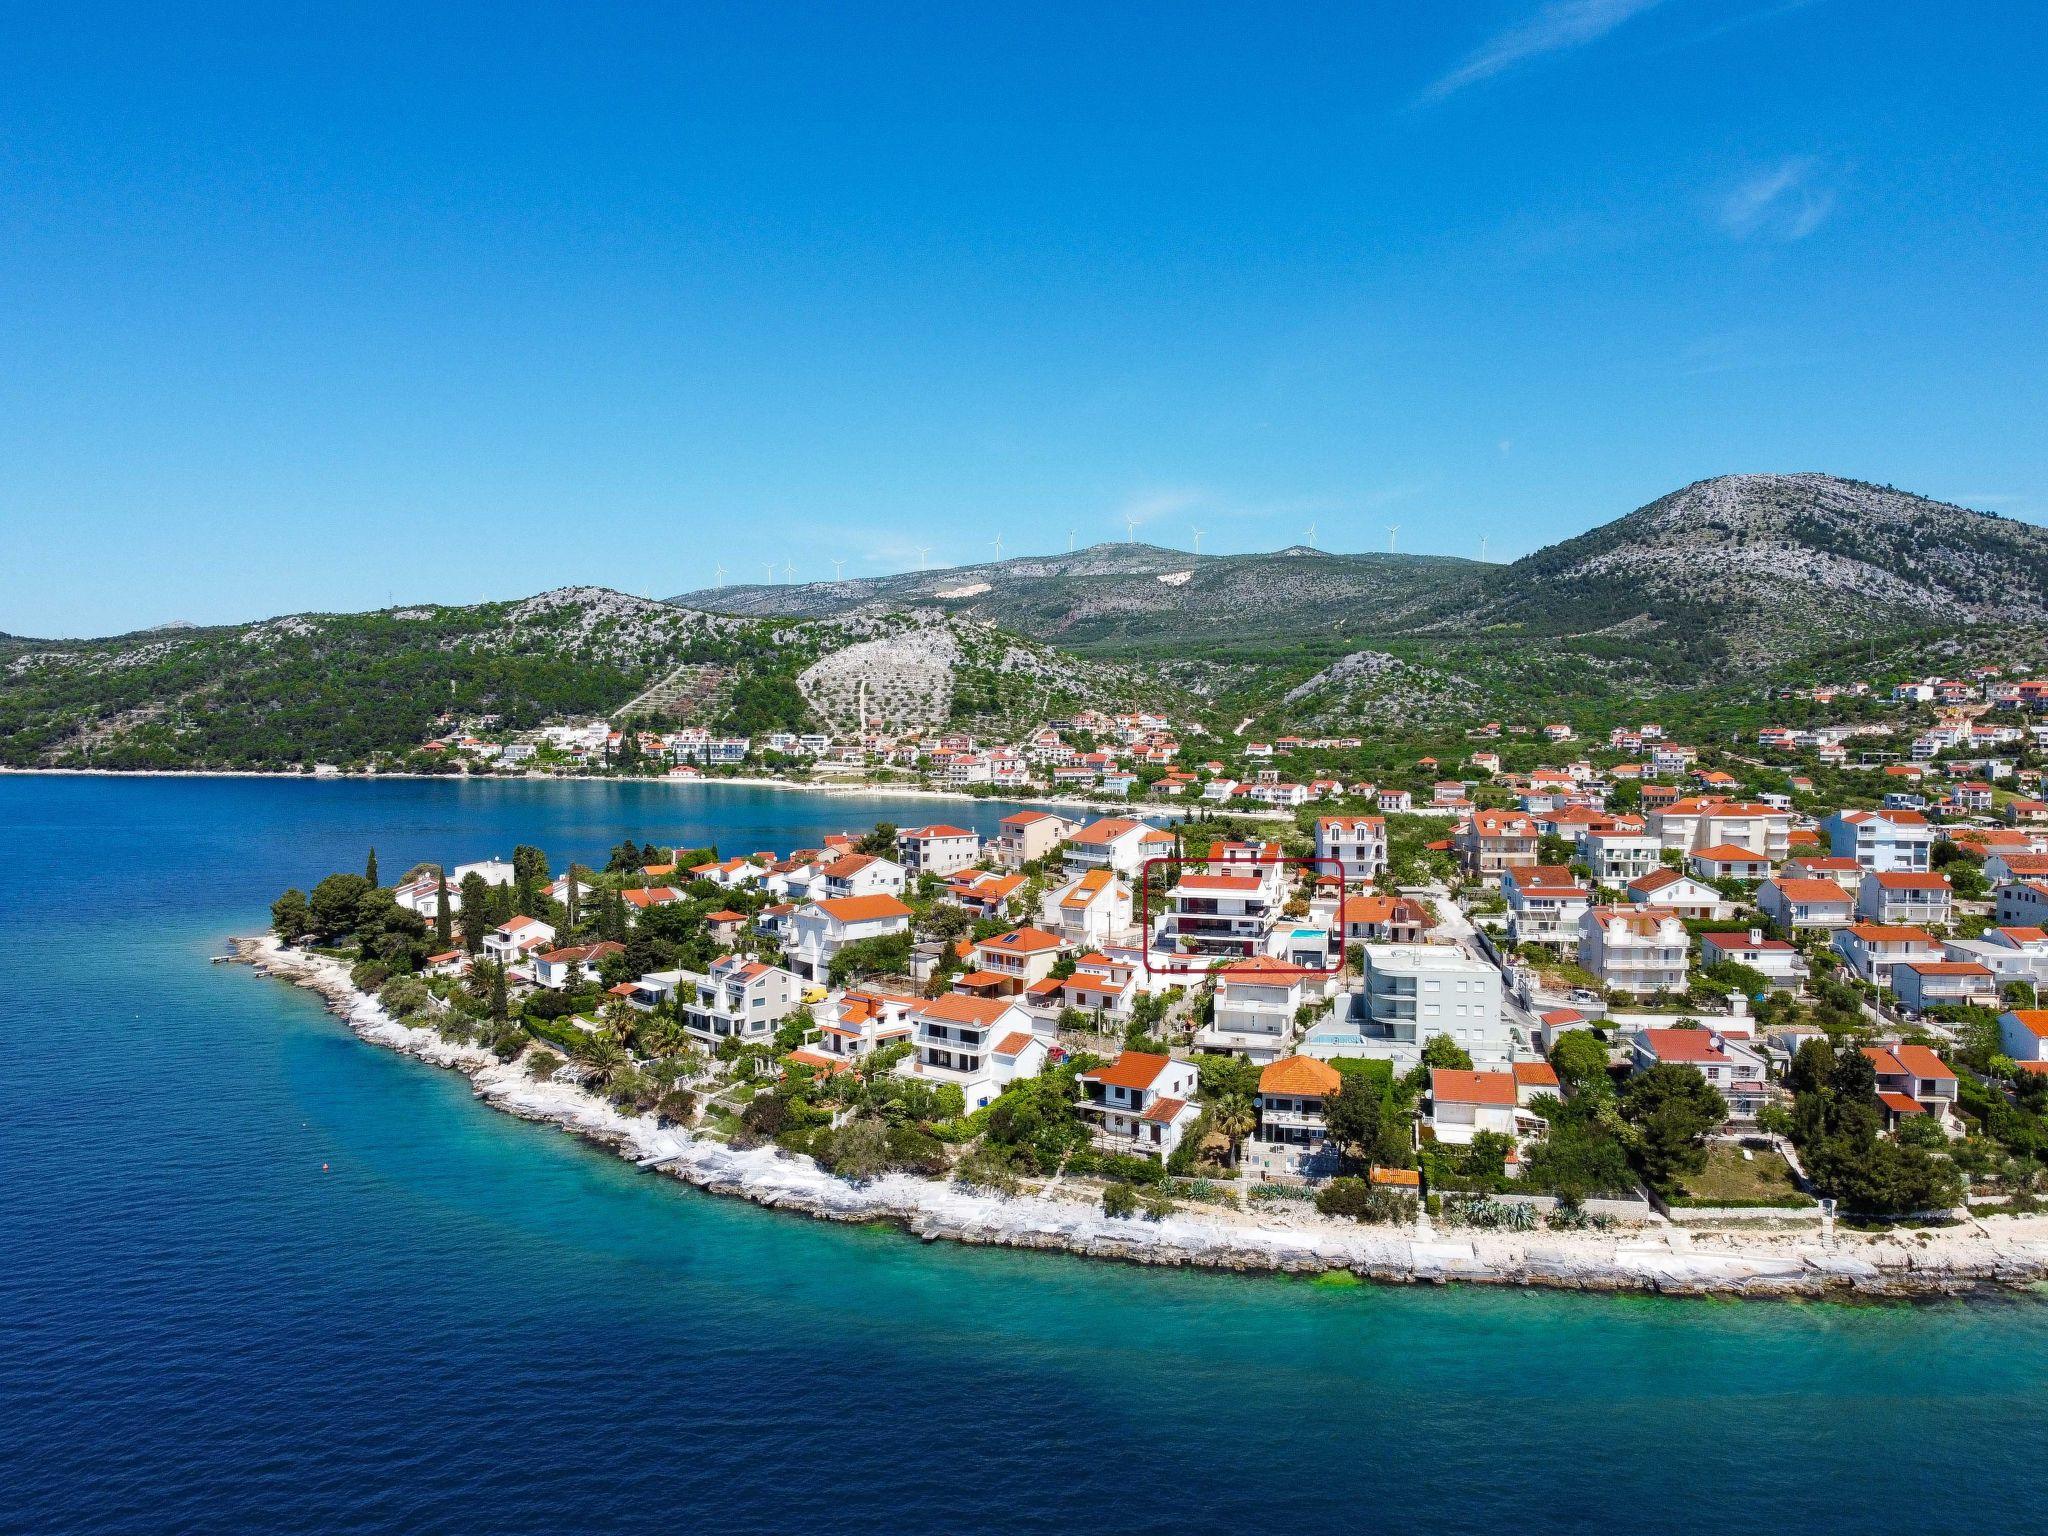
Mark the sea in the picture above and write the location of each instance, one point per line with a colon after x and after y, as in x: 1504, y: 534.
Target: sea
x: 257, y: 1275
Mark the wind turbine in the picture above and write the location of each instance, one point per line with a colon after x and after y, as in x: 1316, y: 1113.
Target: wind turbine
x: 922, y: 551
x: 1482, y: 547
x: 1311, y: 535
x: 721, y: 578
x: 1396, y: 528
x: 838, y: 569
x: 1130, y: 530
x: 999, y: 546
x: 769, y: 565
x: 1070, y: 541
x: 1198, y: 541
x: 788, y: 569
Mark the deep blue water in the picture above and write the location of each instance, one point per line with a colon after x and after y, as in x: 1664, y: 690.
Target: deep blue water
x: 469, y: 1323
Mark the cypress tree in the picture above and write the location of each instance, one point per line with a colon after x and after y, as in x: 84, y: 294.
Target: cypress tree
x: 370, y: 868
x: 444, y: 920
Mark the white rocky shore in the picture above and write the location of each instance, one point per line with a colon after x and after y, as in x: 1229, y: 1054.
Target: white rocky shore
x: 1977, y: 1257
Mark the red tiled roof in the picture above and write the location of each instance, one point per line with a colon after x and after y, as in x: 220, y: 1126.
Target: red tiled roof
x: 1694, y: 1046
x: 1302, y: 1076
x: 860, y: 909
x: 1448, y: 1085
x: 1133, y: 1069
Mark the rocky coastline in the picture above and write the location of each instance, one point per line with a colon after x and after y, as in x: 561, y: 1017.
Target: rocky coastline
x: 1968, y: 1260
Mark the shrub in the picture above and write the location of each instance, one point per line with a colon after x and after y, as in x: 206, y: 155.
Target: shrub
x: 916, y: 1151
x: 369, y: 975
x: 986, y: 1169
x: 1119, y: 1200
x: 1358, y: 1200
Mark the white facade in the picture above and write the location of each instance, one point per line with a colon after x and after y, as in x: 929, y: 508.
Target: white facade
x: 1633, y: 950
x: 1256, y: 1001
x: 1357, y: 843
x: 1888, y: 841
x: 820, y: 929
x: 1411, y: 993
x: 737, y: 998
x: 938, y: 850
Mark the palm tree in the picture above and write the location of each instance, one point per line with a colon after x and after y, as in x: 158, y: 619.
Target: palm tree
x: 1232, y: 1116
x: 605, y: 1058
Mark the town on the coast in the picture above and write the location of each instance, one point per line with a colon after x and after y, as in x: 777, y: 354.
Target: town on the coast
x: 1531, y: 979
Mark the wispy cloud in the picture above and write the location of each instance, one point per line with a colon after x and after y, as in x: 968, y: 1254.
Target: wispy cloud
x: 1557, y: 26
x: 1784, y: 202
x: 1145, y: 507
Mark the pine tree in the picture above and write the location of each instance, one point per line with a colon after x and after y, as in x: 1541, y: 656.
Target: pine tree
x: 370, y: 868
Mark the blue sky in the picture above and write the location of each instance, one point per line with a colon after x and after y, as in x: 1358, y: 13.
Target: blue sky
x: 437, y: 303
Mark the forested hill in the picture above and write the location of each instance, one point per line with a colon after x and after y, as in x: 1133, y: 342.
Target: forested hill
x: 338, y: 687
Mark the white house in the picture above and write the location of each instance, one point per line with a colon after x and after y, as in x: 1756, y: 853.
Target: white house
x: 1727, y: 861
x: 938, y: 849
x: 1912, y: 1080
x: 1010, y: 962
x: 2022, y: 904
x: 1411, y: 993
x: 1099, y: 985
x: 1222, y: 914
x: 1708, y: 821
x: 1358, y: 844
x: 1462, y: 1104
x: 511, y: 942
x: 979, y: 1044
x: 1925, y: 984
x: 559, y: 968
x: 1635, y: 949
x: 1774, y: 958
x: 860, y: 1023
x: 1692, y: 899
x: 1619, y: 856
x: 2023, y: 1033
x: 1872, y: 949
x: 818, y: 930
x: 985, y: 894
x: 1093, y: 909
x: 738, y: 998
x: 1290, y: 1139
x: 1731, y: 1063
x: 1545, y: 903
x: 860, y: 874
x: 1116, y: 843
x: 1901, y: 897
x: 1883, y: 840
x: 1140, y: 1104
x: 1795, y: 903
x: 1256, y: 1001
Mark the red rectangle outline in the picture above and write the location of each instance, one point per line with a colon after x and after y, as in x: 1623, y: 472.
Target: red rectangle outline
x: 1312, y: 863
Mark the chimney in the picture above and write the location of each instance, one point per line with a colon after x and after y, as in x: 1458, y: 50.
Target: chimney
x: 1756, y: 937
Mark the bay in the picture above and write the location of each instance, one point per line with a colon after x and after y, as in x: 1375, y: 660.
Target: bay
x: 257, y: 1275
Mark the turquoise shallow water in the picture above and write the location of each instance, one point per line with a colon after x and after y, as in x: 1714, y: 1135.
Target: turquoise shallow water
x: 469, y: 1323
